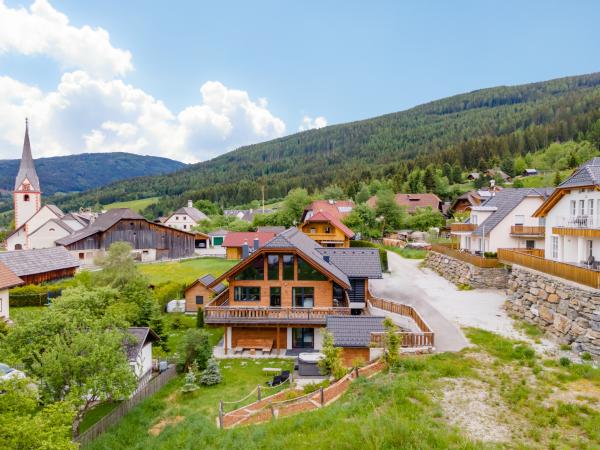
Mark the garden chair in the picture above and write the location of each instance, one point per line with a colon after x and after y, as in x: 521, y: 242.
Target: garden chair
x: 276, y: 381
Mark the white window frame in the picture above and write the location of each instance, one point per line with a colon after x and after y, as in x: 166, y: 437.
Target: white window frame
x: 573, y: 208
x: 555, y: 247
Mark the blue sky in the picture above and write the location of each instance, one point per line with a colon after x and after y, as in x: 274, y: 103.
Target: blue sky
x: 340, y: 61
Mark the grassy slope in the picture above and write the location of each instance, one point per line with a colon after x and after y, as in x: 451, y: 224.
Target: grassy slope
x: 185, y: 271
x: 136, y: 205
x: 403, y: 410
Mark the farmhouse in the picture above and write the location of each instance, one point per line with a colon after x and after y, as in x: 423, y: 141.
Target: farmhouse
x: 327, y: 230
x: 40, y: 265
x: 7, y: 280
x: 413, y: 201
x: 150, y: 241
x: 185, y: 218
x: 280, y: 297
x: 335, y: 208
x: 198, y: 293
x: 240, y: 244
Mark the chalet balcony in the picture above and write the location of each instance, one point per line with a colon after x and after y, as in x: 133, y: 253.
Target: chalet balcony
x: 462, y: 227
x: 217, y: 315
x: 527, y: 231
x: 582, y: 225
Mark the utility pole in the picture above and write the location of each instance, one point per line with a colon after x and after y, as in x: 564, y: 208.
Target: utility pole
x: 262, y: 188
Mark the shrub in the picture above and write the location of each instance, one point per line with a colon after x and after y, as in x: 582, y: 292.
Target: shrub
x: 212, y: 374
x: 312, y: 387
x: 564, y: 361
x: 194, y: 347
x: 165, y: 292
x: 331, y: 363
x: 32, y: 295
x: 200, y: 318
x: 190, y: 382
x: 586, y: 356
x: 391, y: 345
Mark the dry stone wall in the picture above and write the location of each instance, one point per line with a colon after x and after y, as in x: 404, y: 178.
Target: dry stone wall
x: 566, y: 310
x: 463, y: 273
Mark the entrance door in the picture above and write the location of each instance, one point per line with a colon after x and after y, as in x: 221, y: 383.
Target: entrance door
x: 303, y: 338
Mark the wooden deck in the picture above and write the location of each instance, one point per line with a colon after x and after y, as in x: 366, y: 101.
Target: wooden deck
x: 537, y: 261
x: 478, y: 261
x: 265, y: 315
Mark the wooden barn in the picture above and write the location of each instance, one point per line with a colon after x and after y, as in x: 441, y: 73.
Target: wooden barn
x: 150, y: 241
x: 40, y: 265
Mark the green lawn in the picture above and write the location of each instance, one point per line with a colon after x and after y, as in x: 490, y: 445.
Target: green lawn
x: 94, y: 415
x: 185, y: 271
x: 136, y: 205
x: 544, y: 180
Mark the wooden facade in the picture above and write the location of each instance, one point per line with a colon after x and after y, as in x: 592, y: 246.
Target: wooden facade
x: 141, y: 235
x: 43, y: 277
x: 326, y: 234
x: 351, y: 355
x: 196, y: 293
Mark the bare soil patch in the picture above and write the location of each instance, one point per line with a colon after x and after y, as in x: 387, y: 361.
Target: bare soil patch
x: 160, y: 426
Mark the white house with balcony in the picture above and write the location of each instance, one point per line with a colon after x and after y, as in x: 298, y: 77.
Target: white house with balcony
x: 572, y: 218
x: 505, y: 220
x: 186, y: 218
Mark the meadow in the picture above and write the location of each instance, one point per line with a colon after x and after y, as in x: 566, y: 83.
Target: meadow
x: 137, y: 205
x: 185, y: 271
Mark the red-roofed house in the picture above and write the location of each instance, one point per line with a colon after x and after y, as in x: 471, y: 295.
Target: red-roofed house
x: 8, y: 279
x: 327, y: 230
x: 336, y: 208
x: 413, y: 201
x: 235, y: 240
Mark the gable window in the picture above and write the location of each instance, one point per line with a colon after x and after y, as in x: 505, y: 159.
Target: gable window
x: 307, y: 272
x: 51, y: 229
x: 253, y: 271
x: 81, y: 255
x: 199, y: 299
x: 246, y: 293
x: 304, y: 297
x: 313, y: 230
x: 273, y: 267
x: 327, y: 230
x: 275, y: 297
x: 288, y: 267
x: 555, y: 247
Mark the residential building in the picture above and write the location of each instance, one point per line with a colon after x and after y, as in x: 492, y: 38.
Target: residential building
x: 281, y: 295
x: 466, y: 201
x: 246, y: 215
x: 239, y: 244
x: 572, y: 217
x: 505, y: 220
x: 40, y: 265
x: 327, y: 230
x: 8, y: 280
x: 335, y: 208
x: 529, y: 172
x: 185, y: 218
x: 199, y: 294
x: 150, y: 241
x: 412, y: 202
x: 217, y: 237
x: 138, y: 347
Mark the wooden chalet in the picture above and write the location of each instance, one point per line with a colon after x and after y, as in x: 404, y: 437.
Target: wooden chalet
x: 150, y: 241
x: 279, y: 298
x: 40, y: 265
x: 327, y: 230
x: 199, y: 294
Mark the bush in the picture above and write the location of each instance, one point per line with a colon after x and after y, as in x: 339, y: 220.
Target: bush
x: 200, y: 318
x: 190, y: 382
x: 585, y: 356
x: 165, y: 292
x: 32, y: 295
x: 331, y: 363
x: 312, y: 387
x: 212, y: 374
x: 564, y: 361
x: 194, y: 347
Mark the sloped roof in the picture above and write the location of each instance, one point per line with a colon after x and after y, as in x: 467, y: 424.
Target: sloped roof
x: 206, y: 281
x: 8, y: 278
x: 56, y: 210
x: 238, y: 238
x: 271, y: 229
x: 220, y: 232
x: 59, y: 222
x: 138, y: 336
x: 102, y: 223
x: 355, y: 262
x: 588, y: 174
x: 353, y: 331
x: 505, y: 201
x: 337, y: 208
x: 31, y: 262
x: 27, y: 168
x: 412, y: 201
x: 195, y: 214
x: 323, y: 216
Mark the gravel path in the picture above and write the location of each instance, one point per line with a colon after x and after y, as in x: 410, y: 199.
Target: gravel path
x: 441, y: 304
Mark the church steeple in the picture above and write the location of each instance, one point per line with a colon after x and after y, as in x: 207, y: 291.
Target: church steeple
x: 27, y: 171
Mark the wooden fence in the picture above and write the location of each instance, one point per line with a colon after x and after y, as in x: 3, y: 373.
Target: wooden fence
x: 117, y: 414
x: 479, y: 261
x: 568, y: 271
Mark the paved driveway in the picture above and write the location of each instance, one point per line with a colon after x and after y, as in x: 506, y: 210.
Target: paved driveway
x: 441, y: 304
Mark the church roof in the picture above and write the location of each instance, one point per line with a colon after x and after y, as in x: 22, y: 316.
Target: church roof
x: 27, y: 168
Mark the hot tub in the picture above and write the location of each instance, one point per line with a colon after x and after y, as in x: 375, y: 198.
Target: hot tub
x: 308, y: 364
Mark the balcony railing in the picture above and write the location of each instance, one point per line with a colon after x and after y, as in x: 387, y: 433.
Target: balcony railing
x: 580, y: 221
x: 571, y: 272
x: 462, y: 227
x: 265, y: 315
x: 523, y: 230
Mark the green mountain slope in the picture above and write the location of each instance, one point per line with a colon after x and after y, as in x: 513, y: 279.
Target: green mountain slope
x: 462, y: 129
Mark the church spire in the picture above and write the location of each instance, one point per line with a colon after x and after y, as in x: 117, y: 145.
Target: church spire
x: 27, y: 168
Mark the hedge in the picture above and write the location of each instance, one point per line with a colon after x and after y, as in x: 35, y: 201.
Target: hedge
x: 32, y: 295
x: 382, y: 252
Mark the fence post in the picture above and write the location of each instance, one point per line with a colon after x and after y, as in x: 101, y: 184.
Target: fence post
x: 356, y: 371
x: 258, y: 390
x: 221, y: 414
x: 322, y: 396
x: 272, y: 409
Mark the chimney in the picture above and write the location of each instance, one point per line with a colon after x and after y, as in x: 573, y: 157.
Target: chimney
x: 256, y: 244
x: 245, y: 250
x: 190, y: 204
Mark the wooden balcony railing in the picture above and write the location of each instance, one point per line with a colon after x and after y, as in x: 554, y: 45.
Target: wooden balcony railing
x: 265, y: 315
x: 478, y: 261
x: 462, y: 227
x: 527, y: 230
x: 571, y: 272
x: 423, y: 338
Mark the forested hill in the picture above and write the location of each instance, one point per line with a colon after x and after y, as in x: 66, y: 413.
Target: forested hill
x: 464, y: 130
x: 76, y: 173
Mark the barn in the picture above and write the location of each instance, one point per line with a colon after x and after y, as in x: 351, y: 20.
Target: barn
x: 150, y: 241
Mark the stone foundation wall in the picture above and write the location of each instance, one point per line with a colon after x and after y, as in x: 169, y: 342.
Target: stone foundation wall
x: 460, y: 272
x: 568, y: 311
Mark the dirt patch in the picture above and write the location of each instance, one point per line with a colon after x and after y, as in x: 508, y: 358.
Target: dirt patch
x: 160, y: 426
x: 472, y: 406
x: 582, y: 392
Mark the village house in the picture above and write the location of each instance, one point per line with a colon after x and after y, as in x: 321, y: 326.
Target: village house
x: 412, y: 202
x: 327, y: 230
x: 335, y: 208
x: 505, y: 220
x: 150, y: 241
x: 40, y: 265
x: 199, y: 294
x: 217, y: 237
x: 8, y: 280
x: 464, y: 203
x: 185, y: 218
x: 138, y: 347
x: 280, y: 297
x: 239, y: 244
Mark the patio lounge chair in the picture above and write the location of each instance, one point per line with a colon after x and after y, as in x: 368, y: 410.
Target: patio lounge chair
x: 285, y: 375
x: 276, y: 381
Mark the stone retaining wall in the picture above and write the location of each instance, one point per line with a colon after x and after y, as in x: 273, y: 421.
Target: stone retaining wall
x: 460, y: 272
x: 566, y: 310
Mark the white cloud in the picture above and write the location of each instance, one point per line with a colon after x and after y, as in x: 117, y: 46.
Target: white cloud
x: 308, y: 123
x: 87, y: 114
x: 44, y: 30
